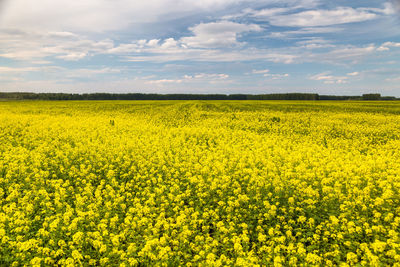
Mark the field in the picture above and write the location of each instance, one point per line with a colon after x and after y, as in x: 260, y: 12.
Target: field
x: 207, y: 183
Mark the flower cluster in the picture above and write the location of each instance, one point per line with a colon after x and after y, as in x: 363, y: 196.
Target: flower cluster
x: 199, y: 183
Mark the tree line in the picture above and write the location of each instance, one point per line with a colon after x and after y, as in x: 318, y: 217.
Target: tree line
x: 142, y: 96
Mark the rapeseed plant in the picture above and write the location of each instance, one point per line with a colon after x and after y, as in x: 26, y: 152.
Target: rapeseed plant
x: 199, y: 183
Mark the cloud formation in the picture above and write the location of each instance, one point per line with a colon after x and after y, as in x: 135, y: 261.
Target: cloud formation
x: 329, y: 79
x: 218, y: 34
x: 98, y: 15
x: 396, y: 5
x: 312, y: 18
x: 207, y: 45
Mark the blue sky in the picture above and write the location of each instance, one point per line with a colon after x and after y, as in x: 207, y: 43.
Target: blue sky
x: 205, y: 46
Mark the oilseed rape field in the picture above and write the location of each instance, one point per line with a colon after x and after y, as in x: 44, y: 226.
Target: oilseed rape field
x: 199, y: 183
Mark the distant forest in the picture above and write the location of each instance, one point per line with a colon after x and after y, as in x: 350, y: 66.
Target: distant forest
x: 140, y: 96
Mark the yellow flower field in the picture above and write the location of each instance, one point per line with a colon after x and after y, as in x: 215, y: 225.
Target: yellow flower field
x: 199, y: 183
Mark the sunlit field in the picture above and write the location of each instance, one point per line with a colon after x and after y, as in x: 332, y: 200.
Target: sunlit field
x: 209, y: 183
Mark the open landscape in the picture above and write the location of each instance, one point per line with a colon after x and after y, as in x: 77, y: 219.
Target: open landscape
x: 199, y: 133
x: 209, y: 183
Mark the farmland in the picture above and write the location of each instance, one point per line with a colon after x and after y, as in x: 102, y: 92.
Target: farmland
x: 199, y: 183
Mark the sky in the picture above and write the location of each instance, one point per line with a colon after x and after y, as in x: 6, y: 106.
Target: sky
x: 205, y: 46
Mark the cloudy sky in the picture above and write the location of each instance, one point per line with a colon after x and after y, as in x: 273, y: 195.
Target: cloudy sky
x: 204, y: 46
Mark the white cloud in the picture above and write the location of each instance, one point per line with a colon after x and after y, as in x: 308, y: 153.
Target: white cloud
x: 86, y: 73
x: 276, y: 76
x: 315, y: 43
x: 396, y: 79
x: 396, y: 5
x: 217, y: 34
x: 36, y: 46
x: 208, y: 43
x: 40, y: 62
x: 388, y: 8
x: 153, y: 42
x: 106, y: 15
x: 54, y: 30
x: 19, y: 70
x: 260, y: 71
x: 169, y: 43
x: 208, y: 76
x: 312, y: 18
x: 213, y: 55
x: 329, y: 79
x: 285, y: 7
x: 266, y: 73
x: 55, y: 72
x: 8, y: 79
x: 162, y: 81
x: 124, y: 49
x: 267, y: 12
x: 99, y: 15
x: 386, y: 46
x: 196, y: 78
x: 356, y: 73
x: 304, y: 31
x: 10, y: 69
x: 383, y: 48
x: 341, y: 55
x: 62, y: 35
x: 73, y: 56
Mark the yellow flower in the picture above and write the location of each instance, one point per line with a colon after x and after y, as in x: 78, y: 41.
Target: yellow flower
x: 36, y: 261
x: 351, y: 258
x: 199, y: 183
x: 77, y: 255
